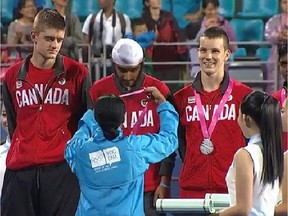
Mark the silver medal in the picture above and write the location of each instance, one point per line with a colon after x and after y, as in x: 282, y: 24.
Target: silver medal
x: 207, y: 147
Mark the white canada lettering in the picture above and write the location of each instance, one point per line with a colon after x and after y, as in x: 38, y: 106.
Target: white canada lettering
x: 148, y: 120
x: 28, y: 97
x: 192, y: 113
x: 228, y: 112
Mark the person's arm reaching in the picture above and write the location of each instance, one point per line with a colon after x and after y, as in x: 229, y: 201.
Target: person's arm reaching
x: 86, y: 128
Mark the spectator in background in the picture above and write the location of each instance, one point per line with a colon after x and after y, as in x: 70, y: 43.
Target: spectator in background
x: 104, y: 28
x: 19, y: 31
x: 281, y: 94
x: 210, y: 19
x: 38, y: 3
x: 145, y: 38
x: 192, y: 11
x: 167, y: 31
x: 276, y: 32
x: 74, y: 34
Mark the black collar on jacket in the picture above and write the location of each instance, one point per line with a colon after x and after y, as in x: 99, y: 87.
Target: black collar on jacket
x: 59, y: 67
x: 197, y: 85
x: 285, y: 84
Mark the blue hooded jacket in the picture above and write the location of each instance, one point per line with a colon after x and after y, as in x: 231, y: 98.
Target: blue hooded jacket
x: 111, y: 173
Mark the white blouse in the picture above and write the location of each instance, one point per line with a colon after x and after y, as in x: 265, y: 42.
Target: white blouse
x: 264, y: 197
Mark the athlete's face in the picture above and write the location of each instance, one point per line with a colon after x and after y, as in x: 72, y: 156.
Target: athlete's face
x: 212, y: 55
x: 48, y: 42
x: 127, y: 75
x: 284, y: 116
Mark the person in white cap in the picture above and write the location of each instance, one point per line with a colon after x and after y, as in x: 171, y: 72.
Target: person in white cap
x: 127, y: 57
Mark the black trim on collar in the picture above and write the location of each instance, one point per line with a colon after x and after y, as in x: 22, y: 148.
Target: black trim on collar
x: 139, y: 83
x: 197, y: 85
x: 59, y: 67
x: 285, y: 84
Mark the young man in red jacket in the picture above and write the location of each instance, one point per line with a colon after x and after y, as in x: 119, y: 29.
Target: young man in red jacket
x: 208, y: 111
x: 45, y: 96
x: 127, y: 57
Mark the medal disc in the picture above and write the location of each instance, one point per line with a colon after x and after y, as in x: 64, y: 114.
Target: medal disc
x: 207, y: 147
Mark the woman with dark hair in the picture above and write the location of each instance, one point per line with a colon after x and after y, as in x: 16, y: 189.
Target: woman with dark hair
x: 210, y: 9
x: 110, y: 166
x: 19, y: 30
x: 255, y: 176
x: 165, y: 26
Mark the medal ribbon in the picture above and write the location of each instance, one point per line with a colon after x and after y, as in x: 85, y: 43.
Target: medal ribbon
x: 144, y: 111
x: 207, y: 133
x: 283, y: 96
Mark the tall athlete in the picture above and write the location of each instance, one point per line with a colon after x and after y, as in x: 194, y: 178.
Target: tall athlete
x: 127, y: 57
x: 208, y: 111
x: 45, y: 96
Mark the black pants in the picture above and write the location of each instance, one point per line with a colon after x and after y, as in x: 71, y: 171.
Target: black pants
x: 51, y: 190
x: 149, y: 209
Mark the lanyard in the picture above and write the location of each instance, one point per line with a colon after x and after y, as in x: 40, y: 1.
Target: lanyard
x: 144, y: 111
x: 208, y: 132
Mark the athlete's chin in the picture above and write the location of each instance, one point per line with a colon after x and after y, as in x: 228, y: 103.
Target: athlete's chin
x: 128, y: 84
x: 51, y: 56
x: 209, y: 72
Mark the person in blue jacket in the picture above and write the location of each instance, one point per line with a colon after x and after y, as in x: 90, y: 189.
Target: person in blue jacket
x: 110, y: 167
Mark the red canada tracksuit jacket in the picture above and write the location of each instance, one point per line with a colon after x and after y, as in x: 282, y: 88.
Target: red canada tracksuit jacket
x: 43, y: 109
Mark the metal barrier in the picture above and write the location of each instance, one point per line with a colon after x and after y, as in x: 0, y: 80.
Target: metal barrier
x: 103, y: 62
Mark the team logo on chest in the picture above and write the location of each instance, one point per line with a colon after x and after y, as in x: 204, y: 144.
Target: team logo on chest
x: 18, y: 84
x: 144, y: 102
x: 62, y: 81
x: 230, y: 98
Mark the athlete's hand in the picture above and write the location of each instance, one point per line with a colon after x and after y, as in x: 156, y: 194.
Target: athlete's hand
x: 155, y: 93
x: 161, y: 193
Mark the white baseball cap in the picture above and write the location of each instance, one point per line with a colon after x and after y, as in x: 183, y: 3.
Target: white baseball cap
x: 127, y: 53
